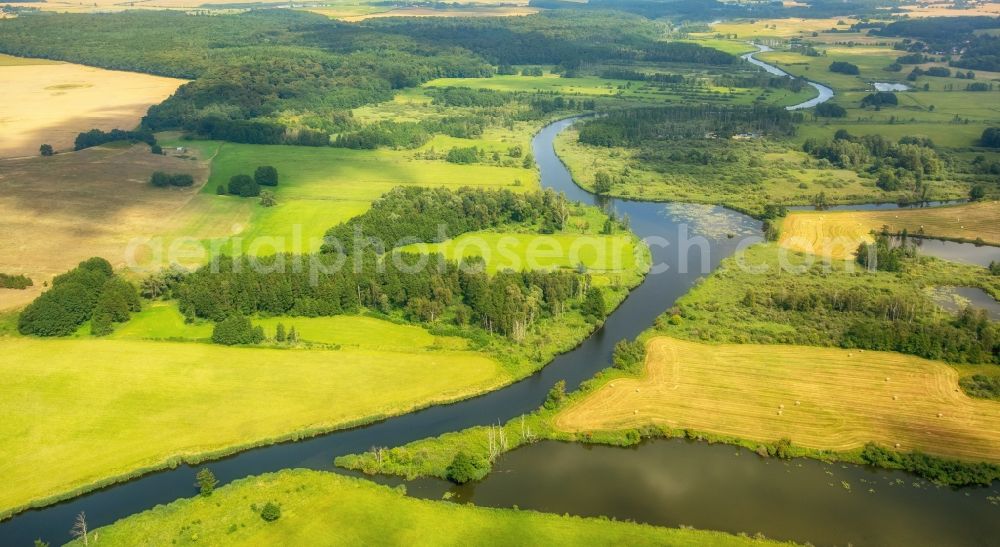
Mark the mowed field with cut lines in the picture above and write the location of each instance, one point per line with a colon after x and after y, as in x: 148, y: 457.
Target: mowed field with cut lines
x: 820, y: 398
x: 838, y: 234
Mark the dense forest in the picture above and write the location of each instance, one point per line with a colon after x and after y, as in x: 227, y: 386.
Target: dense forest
x: 250, y: 69
x: 413, y: 214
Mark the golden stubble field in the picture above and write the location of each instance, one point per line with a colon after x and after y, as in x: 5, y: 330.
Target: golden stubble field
x: 57, y: 211
x: 820, y: 398
x: 838, y: 234
x: 47, y: 102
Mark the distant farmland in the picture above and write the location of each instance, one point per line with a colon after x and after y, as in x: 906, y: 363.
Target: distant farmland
x: 820, y: 398
x: 48, y: 102
x: 838, y: 234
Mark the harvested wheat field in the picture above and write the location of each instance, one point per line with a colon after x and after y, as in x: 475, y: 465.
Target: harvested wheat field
x: 46, y: 102
x: 838, y: 234
x: 820, y: 398
x: 57, y: 211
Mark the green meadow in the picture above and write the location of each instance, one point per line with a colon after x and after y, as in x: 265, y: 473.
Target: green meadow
x: 319, y: 508
x: 516, y: 251
x: 213, y: 399
x: 163, y: 321
x: 321, y: 187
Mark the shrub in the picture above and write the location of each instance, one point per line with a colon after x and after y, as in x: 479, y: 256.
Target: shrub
x: 20, y: 281
x: 46, y: 150
x: 981, y: 386
x: 162, y: 180
x: 465, y: 467
x: 990, y: 137
x: 556, y: 395
x: 271, y: 512
x: 265, y: 175
x: 629, y: 356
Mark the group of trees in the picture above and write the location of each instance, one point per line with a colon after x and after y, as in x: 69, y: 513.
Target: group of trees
x: 844, y: 67
x: 830, y: 110
x: 887, y: 322
x: 885, y: 254
x: 237, y: 329
x: 903, y: 164
x: 162, y: 180
x: 421, y: 288
x: 91, y: 291
x: 409, y: 214
x: 246, y: 186
x: 879, y: 99
x: 96, y: 137
x: 970, y: 338
x: 635, y: 127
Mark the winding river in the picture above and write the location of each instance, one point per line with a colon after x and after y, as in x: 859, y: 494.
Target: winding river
x: 825, y: 93
x: 664, y: 482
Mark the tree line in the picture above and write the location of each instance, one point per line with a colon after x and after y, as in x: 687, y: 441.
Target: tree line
x: 634, y: 127
x: 422, y: 289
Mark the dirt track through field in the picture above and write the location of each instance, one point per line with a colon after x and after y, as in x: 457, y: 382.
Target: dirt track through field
x: 820, y: 398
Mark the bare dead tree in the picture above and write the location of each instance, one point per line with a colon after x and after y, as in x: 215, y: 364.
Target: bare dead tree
x: 80, y: 528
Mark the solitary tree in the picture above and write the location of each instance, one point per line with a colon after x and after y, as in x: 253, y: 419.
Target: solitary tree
x: 977, y: 192
x: 46, y: 150
x: 205, y: 481
x: 279, y: 332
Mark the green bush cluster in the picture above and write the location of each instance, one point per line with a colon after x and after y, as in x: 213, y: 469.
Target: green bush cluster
x: 467, y: 468
x: 162, y: 180
x: 629, y: 356
x: 20, y: 281
x: 938, y: 470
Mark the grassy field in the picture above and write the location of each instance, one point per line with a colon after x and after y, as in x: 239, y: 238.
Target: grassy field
x: 820, y: 398
x: 515, y: 251
x: 60, y: 210
x: 791, y: 178
x: 46, y: 102
x: 322, y: 187
x: 328, y: 509
x: 837, y: 234
x: 163, y: 321
x: 61, y: 397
